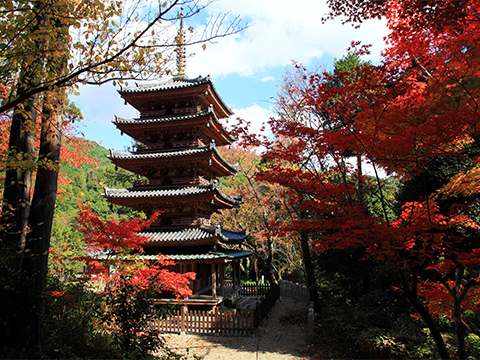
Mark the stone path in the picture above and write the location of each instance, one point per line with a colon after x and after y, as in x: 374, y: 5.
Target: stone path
x: 273, y: 340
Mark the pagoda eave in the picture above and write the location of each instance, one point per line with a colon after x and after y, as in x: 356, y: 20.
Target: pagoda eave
x: 164, y: 198
x: 140, y: 163
x: 200, y: 242
x: 198, y: 235
x: 220, y: 256
x: 206, y: 122
x: 141, y: 97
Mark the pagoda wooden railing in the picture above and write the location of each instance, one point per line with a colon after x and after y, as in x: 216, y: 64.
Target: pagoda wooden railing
x: 185, y: 110
x: 191, y: 221
x: 185, y: 143
x: 151, y: 113
x: 152, y: 182
x: 203, y: 222
x: 156, y: 147
x: 185, y: 180
x: 182, y: 221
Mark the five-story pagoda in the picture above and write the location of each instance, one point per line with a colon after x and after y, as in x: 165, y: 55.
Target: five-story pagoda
x: 177, y: 133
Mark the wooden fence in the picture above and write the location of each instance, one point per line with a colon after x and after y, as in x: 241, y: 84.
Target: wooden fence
x: 257, y: 290
x: 208, y: 322
x: 228, y: 322
x: 294, y: 290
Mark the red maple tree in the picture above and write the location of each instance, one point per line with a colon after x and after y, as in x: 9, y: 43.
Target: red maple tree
x: 114, y: 249
x: 414, y: 116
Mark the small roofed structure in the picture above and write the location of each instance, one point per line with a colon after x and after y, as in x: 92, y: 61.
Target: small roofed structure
x: 178, y: 132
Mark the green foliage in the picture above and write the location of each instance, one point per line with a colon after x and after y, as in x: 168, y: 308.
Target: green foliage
x: 87, y: 182
x: 389, y: 187
x: 73, y: 323
x: 379, y: 325
x: 382, y: 344
x: 473, y: 346
x: 130, y: 311
x: 347, y: 333
x: 81, y: 323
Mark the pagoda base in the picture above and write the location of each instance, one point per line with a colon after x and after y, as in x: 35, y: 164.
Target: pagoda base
x: 203, y: 299
x: 193, y: 301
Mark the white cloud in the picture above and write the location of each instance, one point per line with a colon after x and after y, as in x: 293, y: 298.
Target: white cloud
x: 268, y: 78
x: 279, y: 33
x: 255, y: 114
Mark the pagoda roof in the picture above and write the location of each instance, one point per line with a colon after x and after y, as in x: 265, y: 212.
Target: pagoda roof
x: 165, y: 195
x: 128, y: 125
x: 193, y: 236
x: 222, y: 255
x: 132, y: 161
x: 130, y: 94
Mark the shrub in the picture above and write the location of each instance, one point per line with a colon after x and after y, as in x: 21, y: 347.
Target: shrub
x: 73, y: 326
x: 129, y: 313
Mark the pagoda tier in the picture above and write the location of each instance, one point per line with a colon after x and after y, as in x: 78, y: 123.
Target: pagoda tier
x: 203, y: 235
x: 186, y: 204
x: 175, y: 97
x: 199, y: 128
x: 185, y: 166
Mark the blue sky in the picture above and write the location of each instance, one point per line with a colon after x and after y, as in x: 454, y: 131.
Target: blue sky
x: 245, y: 67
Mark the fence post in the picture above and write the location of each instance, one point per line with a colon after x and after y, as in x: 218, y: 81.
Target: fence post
x: 216, y: 319
x: 311, y: 321
x: 252, y: 321
x: 182, y: 320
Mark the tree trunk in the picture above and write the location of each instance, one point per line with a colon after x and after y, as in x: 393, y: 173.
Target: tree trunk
x: 309, y: 270
x: 458, y: 295
x: 18, y: 182
x: 269, y: 263
x: 460, y: 328
x: 410, y: 292
x: 15, y: 293
x: 21, y: 157
x: 43, y: 206
x: 33, y: 228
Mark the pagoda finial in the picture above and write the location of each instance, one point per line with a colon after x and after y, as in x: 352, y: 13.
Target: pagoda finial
x: 180, y: 40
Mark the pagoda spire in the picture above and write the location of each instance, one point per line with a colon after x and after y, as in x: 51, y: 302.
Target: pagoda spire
x: 180, y: 40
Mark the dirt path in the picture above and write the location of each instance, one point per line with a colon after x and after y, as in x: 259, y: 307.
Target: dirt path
x: 273, y: 340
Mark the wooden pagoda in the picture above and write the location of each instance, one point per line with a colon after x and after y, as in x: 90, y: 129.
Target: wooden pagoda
x: 178, y: 133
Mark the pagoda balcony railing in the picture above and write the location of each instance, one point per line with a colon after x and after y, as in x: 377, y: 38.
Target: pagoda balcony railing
x: 186, y: 110
x: 152, y: 182
x: 203, y: 222
x: 150, y: 113
x: 189, y: 180
x: 182, y: 221
x: 153, y: 147
x: 188, y: 221
x: 186, y: 143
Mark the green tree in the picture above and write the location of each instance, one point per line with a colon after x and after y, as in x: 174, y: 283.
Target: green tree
x: 46, y: 46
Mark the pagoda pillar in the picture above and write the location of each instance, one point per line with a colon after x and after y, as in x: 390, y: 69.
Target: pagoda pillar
x: 214, y: 282
x: 239, y: 274
x: 234, y: 274
x: 221, y: 275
